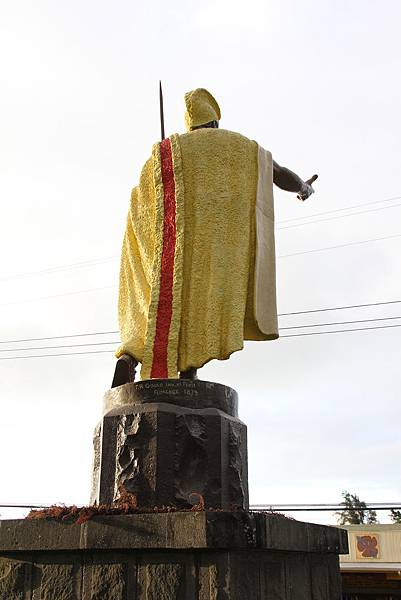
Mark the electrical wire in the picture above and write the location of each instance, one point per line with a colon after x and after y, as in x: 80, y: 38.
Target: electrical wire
x: 97, y: 289
x: 317, y: 509
x: 328, y: 504
x: 316, y: 310
x: 118, y: 341
x: 336, y: 210
x: 271, y: 507
x: 314, y: 250
x: 62, y: 346
x: 79, y: 265
x: 111, y: 351
x: 103, y: 260
x: 337, y: 323
x: 388, y: 237
x: 24, y: 506
x: 360, y: 212
x: 302, y: 312
x: 61, y: 354
x: 338, y: 331
x: 57, y: 337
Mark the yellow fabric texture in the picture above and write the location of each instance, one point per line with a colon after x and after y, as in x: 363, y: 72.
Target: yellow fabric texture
x: 201, y: 108
x: 217, y: 303
x: 137, y: 265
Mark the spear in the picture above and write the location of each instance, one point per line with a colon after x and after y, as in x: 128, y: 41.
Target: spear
x: 161, y: 110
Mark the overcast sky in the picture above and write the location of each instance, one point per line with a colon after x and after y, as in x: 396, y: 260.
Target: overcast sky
x: 316, y: 82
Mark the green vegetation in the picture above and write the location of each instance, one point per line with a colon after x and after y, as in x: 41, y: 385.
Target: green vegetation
x: 355, y: 511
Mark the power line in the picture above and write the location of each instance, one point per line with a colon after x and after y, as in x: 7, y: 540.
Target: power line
x: 360, y: 212
x: 79, y: 265
x: 388, y: 237
x: 336, y: 210
x: 314, y: 250
x: 102, y: 260
x: 338, y: 331
x: 280, y: 256
x: 315, y: 310
x: 57, y: 337
x: 273, y: 507
x: 118, y: 341
x: 24, y: 506
x: 337, y: 323
x: 111, y: 351
x: 97, y: 289
x: 62, y: 346
x: 276, y: 507
x: 302, y: 312
x: 51, y: 355
x: 330, y: 504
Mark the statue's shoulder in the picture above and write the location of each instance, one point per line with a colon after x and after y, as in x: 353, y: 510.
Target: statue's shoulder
x: 202, y: 137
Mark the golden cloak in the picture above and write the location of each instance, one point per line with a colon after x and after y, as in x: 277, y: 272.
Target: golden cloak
x: 197, y: 271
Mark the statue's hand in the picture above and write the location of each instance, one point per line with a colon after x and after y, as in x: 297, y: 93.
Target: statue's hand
x: 307, y: 189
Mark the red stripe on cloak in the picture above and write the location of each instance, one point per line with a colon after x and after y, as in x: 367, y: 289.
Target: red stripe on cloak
x: 165, y: 305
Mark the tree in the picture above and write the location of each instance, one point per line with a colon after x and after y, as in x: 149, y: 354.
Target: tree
x: 395, y: 515
x: 355, y: 511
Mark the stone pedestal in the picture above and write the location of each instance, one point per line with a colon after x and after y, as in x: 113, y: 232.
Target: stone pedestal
x: 173, y: 443
x: 171, y: 556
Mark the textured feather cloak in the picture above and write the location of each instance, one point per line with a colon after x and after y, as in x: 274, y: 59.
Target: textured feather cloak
x: 198, y: 267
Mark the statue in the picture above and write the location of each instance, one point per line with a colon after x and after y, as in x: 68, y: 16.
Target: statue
x: 197, y: 271
x: 169, y: 514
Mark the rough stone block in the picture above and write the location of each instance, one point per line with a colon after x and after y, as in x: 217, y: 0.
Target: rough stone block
x: 172, y: 443
x: 108, y: 582
x: 173, y: 530
x: 38, y: 535
x: 173, y: 556
x: 334, y: 574
x: 272, y: 580
x: 297, y: 576
x: 57, y: 582
x: 14, y: 580
x: 208, y: 581
x: 286, y: 534
x: 319, y: 578
x: 161, y: 582
x: 144, y: 531
x: 243, y: 575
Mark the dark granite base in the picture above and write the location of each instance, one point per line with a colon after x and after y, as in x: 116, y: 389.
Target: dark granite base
x: 171, y: 443
x: 172, y: 556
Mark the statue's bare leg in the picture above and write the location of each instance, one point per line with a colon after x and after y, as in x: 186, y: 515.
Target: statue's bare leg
x: 190, y: 373
x: 124, y: 371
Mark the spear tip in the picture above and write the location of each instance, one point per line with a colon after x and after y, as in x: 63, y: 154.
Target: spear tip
x: 161, y: 110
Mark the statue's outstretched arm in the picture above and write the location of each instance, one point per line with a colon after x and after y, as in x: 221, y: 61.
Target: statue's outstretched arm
x: 290, y: 182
